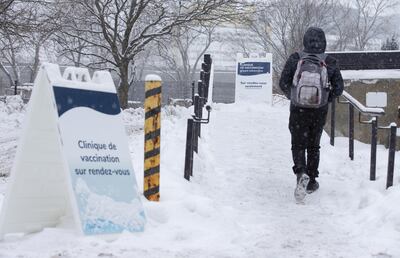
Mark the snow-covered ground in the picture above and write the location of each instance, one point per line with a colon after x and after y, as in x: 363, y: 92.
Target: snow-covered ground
x: 12, y: 112
x: 240, y: 201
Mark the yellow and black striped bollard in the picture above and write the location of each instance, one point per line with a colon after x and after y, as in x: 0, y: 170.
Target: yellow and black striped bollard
x: 152, y: 138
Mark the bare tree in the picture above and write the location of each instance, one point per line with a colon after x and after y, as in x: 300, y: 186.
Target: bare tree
x: 10, y: 48
x: 179, y: 54
x: 281, y: 24
x: 70, y: 48
x: 139, y: 65
x: 342, y: 26
x: 42, y: 19
x: 355, y: 23
x: 10, y: 42
x: 10, y: 38
x: 368, y: 20
x: 118, y: 30
x: 241, y: 40
x: 5, y: 5
x: 5, y: 10
x: 32, y: 25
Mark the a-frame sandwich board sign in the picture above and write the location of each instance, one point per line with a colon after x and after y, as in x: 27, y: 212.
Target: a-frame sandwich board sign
x: 253, y: 78
x: 73, y: 159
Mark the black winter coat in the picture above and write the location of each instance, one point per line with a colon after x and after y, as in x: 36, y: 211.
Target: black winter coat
x: 314, y: 42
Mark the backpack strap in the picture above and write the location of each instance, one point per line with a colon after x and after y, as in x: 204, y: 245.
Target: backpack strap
x: 302, y: 54
x: 321, y: 56
x: 315, y: 58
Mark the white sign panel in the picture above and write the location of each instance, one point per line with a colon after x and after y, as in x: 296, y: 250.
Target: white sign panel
x: 73, y: 159
x: 254, y: 79
x: 377, y: 99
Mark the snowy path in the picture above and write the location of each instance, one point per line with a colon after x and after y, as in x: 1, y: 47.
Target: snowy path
x: 259, y: 184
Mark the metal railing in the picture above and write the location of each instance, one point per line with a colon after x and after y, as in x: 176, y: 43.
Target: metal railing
x: 194, y: 124
x: 374, y: 114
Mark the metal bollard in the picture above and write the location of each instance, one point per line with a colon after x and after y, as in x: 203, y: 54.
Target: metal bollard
x: 193, y: 87
x: 374, y: 138
x: 351, y: 132
x: 206, y: 83
x: 197, y: 126
x: 392, y: 152
x: 188, y: 172
x: 333, y: 114
x: 201, y: 104
x: 16, y: 87
x: 200, y: 88
x: 152, y: 138
x: 207, y: 59
x: 202, y: 76
x: 189, y: 151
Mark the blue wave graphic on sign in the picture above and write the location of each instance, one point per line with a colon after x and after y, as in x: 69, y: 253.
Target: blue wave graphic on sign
x: 254, y: 68
x: 69, y: 98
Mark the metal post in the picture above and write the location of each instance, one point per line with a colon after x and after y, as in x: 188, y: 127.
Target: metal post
x: 351, y: 132
x: 207, y: 59
x: 200, y: 116
x: 204, y: 90
x: 189, y: 151
x: 196, y: 127
x: 200, y: 88
x: 15, y: 87
x: 197, y: 105
x: 207, y: 85
x: 193, y: 86
x: 392, y: 152
x: 374, y: 136
x: 202, y: 76
x: 206, y: 66
x: 333, y: 111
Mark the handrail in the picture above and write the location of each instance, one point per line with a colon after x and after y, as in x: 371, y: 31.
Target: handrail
x: 361, y: 108
x: 374, y: 113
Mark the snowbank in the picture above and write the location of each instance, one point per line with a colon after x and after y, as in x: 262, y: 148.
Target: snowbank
x: 12, y: 112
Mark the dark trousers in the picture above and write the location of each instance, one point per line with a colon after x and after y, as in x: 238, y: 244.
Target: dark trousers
x: 306, y: 127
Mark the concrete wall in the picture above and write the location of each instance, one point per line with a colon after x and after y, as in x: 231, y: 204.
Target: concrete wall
x: 358, y: 89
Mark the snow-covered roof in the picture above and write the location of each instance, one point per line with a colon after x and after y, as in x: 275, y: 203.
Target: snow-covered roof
x: 370, y: 74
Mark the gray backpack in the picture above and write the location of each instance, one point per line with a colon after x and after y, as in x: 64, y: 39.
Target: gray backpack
x: 310, y: 82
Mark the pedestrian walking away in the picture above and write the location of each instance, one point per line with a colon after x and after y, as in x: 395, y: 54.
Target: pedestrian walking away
x: 310, y: 79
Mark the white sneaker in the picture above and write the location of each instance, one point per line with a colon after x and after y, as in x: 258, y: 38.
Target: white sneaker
x: 300, y: 191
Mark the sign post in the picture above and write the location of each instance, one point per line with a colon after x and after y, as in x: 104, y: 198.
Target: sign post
x: 73, y: 159
x: 254, y: 79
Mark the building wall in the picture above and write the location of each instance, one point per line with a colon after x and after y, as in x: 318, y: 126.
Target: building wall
x: 358, y: 89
